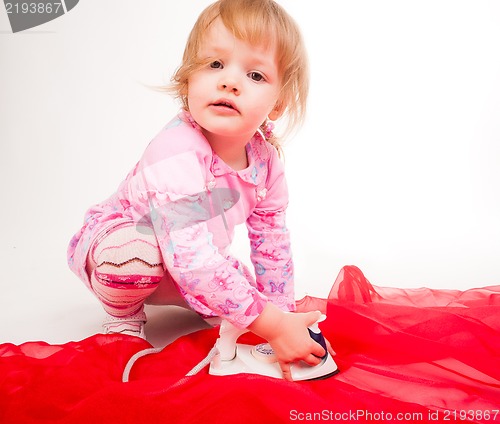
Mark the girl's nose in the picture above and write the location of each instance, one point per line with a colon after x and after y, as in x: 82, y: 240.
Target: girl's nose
x: 229, y: 84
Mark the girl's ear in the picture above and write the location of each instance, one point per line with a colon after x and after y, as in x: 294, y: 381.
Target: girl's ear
x: 276, y: 112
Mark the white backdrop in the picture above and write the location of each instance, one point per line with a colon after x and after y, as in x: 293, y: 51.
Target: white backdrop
x: 396, y: 169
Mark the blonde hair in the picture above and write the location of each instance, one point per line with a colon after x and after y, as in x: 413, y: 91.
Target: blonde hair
x: 258, y: 22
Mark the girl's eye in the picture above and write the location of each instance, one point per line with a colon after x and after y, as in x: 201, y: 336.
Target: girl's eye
x: 216, y: 65
x: 256, y: 76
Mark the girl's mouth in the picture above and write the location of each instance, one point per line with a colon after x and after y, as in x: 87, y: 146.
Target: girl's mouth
x: 224, y: 104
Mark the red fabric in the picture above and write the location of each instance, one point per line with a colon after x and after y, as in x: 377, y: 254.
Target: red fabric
x: 405, y: 355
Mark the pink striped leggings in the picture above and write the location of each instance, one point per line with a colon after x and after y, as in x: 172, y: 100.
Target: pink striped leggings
x: 125, y: 267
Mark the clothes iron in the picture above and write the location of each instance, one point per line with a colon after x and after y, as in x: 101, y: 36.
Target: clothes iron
x: 235, y: 358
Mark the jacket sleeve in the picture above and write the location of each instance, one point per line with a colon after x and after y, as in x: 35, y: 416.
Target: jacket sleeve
x: 186, y: 216
x: 270, y: 240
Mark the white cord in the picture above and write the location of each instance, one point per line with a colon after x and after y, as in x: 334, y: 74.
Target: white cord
x: 131, y: 361
x: 202, y: 364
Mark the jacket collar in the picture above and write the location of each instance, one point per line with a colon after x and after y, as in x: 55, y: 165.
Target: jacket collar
x: 258, y: 154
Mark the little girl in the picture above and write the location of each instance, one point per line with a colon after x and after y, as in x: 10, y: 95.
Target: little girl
x: 170, y: 224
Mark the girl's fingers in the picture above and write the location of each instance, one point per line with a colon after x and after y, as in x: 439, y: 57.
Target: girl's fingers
x: 317, y: 350
x: 312, y: 360
x: 329, y: 348
x: 285, y: 370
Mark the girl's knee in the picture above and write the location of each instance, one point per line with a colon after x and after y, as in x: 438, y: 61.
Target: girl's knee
x: 126, y: 250
x: 125, y: 267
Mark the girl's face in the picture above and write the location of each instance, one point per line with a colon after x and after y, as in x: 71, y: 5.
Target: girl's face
x: 233, y: 95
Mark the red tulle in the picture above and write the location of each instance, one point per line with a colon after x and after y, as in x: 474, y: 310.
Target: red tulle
x: 405, y: 355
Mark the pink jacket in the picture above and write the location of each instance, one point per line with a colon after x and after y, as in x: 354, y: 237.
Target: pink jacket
x: 194, y: 200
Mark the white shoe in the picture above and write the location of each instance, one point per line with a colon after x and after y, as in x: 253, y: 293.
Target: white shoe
x: 131, y: 326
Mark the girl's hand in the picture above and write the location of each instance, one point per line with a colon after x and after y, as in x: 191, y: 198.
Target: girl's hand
x: 289, y: 337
